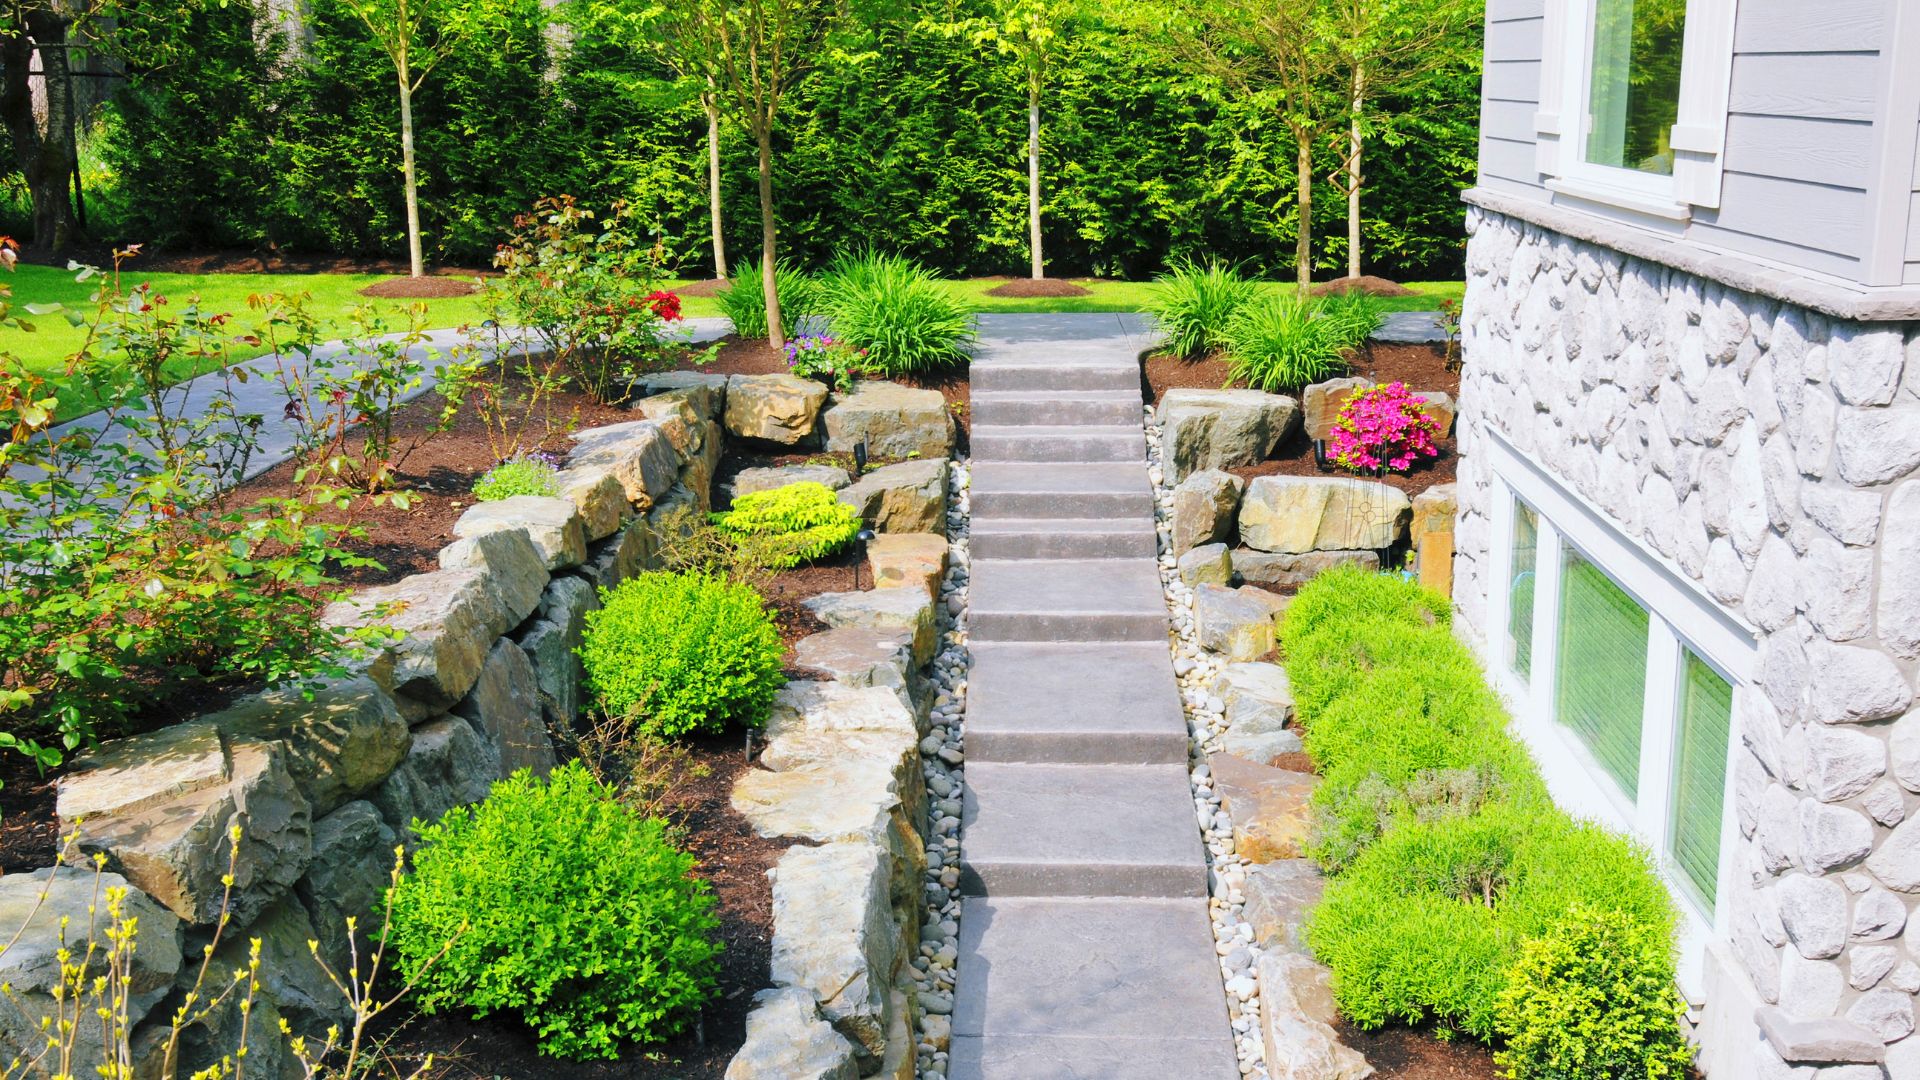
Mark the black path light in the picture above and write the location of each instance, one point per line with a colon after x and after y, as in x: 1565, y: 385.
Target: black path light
x: 1320, y: 454
x: 865, y: 537
x: 859, y: 459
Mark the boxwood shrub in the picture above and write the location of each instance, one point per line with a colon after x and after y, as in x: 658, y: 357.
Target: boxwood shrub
x: 682, y: 653
x: 803, y: 521
x: 1451, y: 868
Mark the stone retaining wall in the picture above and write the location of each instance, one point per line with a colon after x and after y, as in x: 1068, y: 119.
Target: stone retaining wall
x: 1765, y: 453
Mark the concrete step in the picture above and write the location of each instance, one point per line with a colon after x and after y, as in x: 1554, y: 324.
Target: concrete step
x: 1086, y: 703
x: 1089, y: 990
x: 1066, y: 600
x: 1010, y: 376
x: 1075, y: 442
x: 1059, y: 490
x: 1057, y: 407
x: 1079, y: 830
x: 1063, y: 538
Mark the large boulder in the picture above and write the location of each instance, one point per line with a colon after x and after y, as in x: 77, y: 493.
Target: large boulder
x: 450, y: 765
x: 1218, y: 429
x: 505, y: 707
x: 706, y: 393
x: 908, y: 560
x: 1293, y: 514
x: 748, y: 481
x: 1208, y: 564
x: 862, y: 656
x: 352, y: 867
x: 1279, y: 896
x: 1439, y: 407
x: 894, y: 421
x: 598, y: 495
x: 882, y: 609
x: 1236, y: 623
x: 161, y: 808
x: 290, y: 976
x: 774, y: 408
x: 640, y: 454
x: 812, y: 723
x: 1296, y: 1023
x: 50, y: 910
x: 623, y: 555
x: 554, y: 525
x: 552, y: 644
x: 908, y: 497
x: 834, y: 936
x: 340, y: 740
x: 1204, y: 507
x: 517, y: 567
x: 447, y: 620
x: 1271, y: 808
x: 1269, y: 568
x: 787, y: 1039
x: 1259, y: 705
x: 1323, y: 401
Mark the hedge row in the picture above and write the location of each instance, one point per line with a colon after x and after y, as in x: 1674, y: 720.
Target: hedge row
x: 1459, y: 894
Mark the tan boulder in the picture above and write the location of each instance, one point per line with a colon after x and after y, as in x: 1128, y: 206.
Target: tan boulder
x: 1293, y: 514
x: 908, y: 560
x: 1322, y: 402
x: 1271, y: 808
x: 894, y: 421
x: 774, y: 408
x: 1434, y: 511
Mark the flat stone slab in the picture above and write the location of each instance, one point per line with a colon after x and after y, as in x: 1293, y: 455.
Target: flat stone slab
x: 1047, y: 443
x: 1079, y: 830
x: 1067, y: 600
x: 1091, y: 703
x: 1410, y: 328
x: 1064, y: 538
x: 1272, y: 818
x: 1100, y: 989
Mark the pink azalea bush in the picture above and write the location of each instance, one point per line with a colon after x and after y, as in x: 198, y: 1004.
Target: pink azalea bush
x: 1383, y: 427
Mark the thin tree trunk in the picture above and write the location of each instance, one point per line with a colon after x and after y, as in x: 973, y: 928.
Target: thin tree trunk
x: 44, y: 155
x: 713, y: 181
x: 416, y: 266
x: 1353, y: 174
x: 1033, y: 182
x: 776, y: 335
x: 1303, y: 244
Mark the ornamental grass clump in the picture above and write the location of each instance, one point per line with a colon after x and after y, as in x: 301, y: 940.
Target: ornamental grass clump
x: 1383, y: 427
x: 529, y: 475
x: 1283, y: 341
x: 897, y: 312
x: 744, y: 302
x: 561, y: 904
x: 679, y: 653
x: 1458, y: 893
x: 807, y: 521
x: 1195, y: 304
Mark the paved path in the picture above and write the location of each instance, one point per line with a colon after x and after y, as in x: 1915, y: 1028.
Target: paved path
x: 1085, y: 949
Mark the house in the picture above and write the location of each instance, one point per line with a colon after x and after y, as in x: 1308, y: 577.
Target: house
x: 1689, y: 525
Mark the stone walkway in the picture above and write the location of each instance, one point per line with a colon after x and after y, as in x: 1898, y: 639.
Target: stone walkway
x: 1085, y: 946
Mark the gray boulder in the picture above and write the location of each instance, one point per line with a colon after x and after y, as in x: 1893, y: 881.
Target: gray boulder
x: 863, y: 656
x: 599, y: 496
x: 640, y: 454
x: 1217, y: 429
x: 834, y: 936
x: 908, y: 497
x: 1296, y: 1022
x: 908, y: 610
x: 505, y: 707
x: 748, y: 481
x: 554, y: 525
x: 895, y: 421
x: 774, y: 408
x: 518, y: 568
x: 624, y: 555
x: 788, y: 1040
x: 1236, y: 623
x: 706, y: 393
x: 552, y: 644
x: 1204, y: 507
x: 1269, y: 568
x: 1208, y: 564
x: 339, y: 744
x: 450, y: 765
x: 289, y: 975
x: 448, y: 620
x: 1293, y: 514
x: 352, y: 867
x: 1259, y: 705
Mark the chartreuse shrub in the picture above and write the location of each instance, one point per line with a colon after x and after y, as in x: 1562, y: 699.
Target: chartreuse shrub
x: 519, y: 476
x: 806, y: 520
x: 744, y: 302
x: 683, y: 652
x: 1459, y: 892
x: 897, y: 312
x: 1196, y: 303
x: 562, y: 904
x: 1283, y: 341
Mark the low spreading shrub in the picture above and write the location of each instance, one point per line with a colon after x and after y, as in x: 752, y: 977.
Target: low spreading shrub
x: 1283, y: 341
x: 520, y: 476
x: 806, y: 520
x: 897, y: 311
x: 1383, y: 427
x: 1196, y: 303
x: 563, y: 905
x: 1450, y: 864
x: 683, y: 652
x: 745, y: 303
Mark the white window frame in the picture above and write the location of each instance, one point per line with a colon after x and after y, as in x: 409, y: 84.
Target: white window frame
x: 1680, y: 615
x: 1698, y: 136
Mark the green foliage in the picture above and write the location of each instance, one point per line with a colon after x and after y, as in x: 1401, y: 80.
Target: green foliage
x: 894, y: 310
x: 683, y: 652
x: 563, y: 905
x: 520, y: 476
x: 744, y: 302
x: 1197, y: 303
x: 1449, y: 859
x: 1283, y: 341
x: 806, y: 520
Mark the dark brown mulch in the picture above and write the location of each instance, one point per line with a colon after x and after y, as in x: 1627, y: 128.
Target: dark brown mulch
x: 29, y: 830
x: 734, y: 860
x: 1037, y: 287
x: 419, y: 288
x: 1398, y: 1053
x: 743, y: 356
x: 1366, y: 283
x: 709, y: 287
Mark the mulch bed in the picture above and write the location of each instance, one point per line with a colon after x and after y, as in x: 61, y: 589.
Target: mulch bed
x: 431, y: 287
x: 709, y: 287
x: 1040, y: 287
x: 1366, y: 283
x: 1398, y: 1053
x: 1421, y: 367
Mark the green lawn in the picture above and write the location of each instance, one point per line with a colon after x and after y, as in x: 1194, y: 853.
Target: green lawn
x: 332, y: 297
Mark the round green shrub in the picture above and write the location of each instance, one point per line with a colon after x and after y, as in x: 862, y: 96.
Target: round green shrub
x: 1593, y: 1000
x: 683, y: 652
x: 807, y: 519
x: 520, y: 476
x: 561, y: 904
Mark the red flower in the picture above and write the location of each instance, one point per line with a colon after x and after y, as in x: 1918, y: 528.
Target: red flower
x: 665, y: 305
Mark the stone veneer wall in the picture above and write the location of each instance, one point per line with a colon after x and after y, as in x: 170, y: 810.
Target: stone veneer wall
x: 1767, y: 452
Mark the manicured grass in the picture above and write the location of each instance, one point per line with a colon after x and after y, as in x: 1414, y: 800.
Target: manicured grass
x: 1136, y: 295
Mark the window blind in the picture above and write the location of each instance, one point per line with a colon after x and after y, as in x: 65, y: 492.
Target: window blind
x: 1526, y: 553
x: 1700, y: 773
x: 1602, y: 668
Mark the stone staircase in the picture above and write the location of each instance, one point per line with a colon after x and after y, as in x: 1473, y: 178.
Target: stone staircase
x: 1085, y: 946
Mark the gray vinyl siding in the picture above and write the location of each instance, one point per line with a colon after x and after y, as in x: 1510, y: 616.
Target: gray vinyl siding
x: 1510, y: 95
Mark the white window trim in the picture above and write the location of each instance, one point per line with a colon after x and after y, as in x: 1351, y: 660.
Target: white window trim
x: 1698, y: 136
x: 1679, y: 615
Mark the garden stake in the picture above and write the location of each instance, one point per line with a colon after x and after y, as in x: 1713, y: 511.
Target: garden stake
x: 859, y: 458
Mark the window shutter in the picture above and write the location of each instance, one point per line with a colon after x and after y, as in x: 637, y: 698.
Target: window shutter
x: 1602, y: 668
x: 1553, y: 59
x: 1700, y: 774
x: 1699, y: 135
